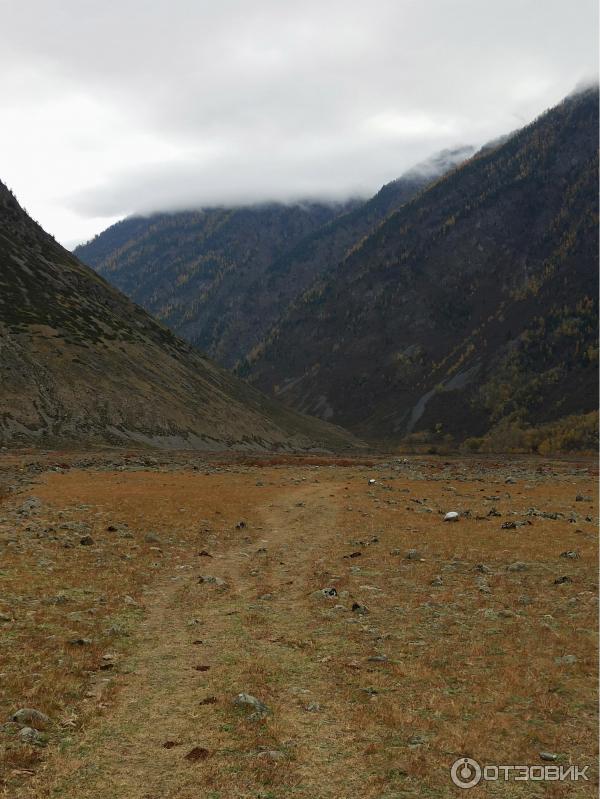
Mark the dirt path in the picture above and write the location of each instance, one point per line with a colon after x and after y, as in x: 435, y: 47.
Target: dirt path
x: 374, y: 692
x: 261, y: 646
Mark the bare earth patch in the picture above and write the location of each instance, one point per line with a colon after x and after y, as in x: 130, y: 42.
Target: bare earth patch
x: 202, y: 580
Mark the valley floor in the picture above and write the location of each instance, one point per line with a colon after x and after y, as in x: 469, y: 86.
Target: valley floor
x: 475, y: 638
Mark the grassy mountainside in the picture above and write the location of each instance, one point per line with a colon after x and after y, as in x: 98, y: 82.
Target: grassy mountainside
x: 222, y: 277
x: 473, y: 308
x: 80, y: 363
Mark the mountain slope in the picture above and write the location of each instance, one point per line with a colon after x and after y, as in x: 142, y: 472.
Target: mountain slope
x: 471, y: 307
x: 222, y: 277
x: 295, y: 270
x: 193, y: 269
x: 80, y: 363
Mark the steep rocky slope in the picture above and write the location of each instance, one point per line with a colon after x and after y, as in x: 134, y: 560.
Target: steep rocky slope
x: 472, y: 308
x: 222, y: 277
x: 80, y: 363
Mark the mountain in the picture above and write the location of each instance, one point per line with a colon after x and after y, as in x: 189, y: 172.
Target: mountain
x: 194, y: 270
x: 81, y: 364
x: 471, y: 311
x: 221, y: 277
x: 296, y: 269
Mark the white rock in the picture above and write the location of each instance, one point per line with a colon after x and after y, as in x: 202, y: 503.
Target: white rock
x: 452, y: 516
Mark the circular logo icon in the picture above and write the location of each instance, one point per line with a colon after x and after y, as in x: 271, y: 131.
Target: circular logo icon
x: 465, y: 772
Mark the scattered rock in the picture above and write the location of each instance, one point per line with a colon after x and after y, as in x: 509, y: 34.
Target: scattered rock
x: 212, y: 580
x: 360, y: 609
x: 29, y: 735
x: 329, y: 593
x: 452, y: 516
x: 548, y: 756
x: 563, y: 580
x: 86, y: 541
x: 208, y: 700
x: 413, y: 554
x: 510, y: 480
x: 171, y: 744
x: 80, y: 641
x: 571, y: 554
x: 204, y: 554
x: 545, y: 514
x: 313, y: 707
x: 481, y: 567
x: 247, y: 700
x: 152, y: 538
x: 29, y: 717
x: 241, y: 525
x: 437, y: 580
x: 582, y: 498
x: 29, y: 506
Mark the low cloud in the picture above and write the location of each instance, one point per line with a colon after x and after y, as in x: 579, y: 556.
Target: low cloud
x: 144, y: 105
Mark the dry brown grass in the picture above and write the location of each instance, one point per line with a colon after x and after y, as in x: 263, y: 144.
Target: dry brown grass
x: 468, y: 673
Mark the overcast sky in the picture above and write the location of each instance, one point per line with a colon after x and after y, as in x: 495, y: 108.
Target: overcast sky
x: 116, y: 107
